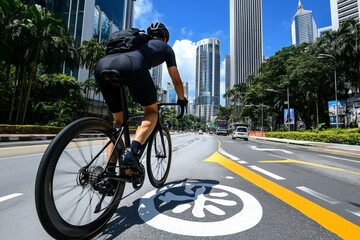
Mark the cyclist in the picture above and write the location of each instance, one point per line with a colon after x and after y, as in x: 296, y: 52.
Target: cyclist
x: 134, y: 68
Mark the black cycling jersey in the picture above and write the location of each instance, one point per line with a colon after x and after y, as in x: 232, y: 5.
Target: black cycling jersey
x: 134, y: 70
x: 156, y: 52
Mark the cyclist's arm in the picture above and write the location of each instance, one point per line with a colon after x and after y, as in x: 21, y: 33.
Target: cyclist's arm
x: 178, y: 84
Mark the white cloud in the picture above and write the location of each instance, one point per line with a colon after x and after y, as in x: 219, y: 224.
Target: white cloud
x: 145, y: 14
x: 185, y: 51
x: 186, y: 32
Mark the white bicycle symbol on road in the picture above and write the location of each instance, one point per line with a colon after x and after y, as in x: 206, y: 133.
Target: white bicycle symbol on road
x: 203, y: 202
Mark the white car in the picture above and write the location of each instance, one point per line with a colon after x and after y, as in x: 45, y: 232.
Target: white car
x: 240, y: 132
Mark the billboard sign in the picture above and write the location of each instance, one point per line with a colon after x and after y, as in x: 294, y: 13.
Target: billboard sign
x: 289, y: 117
x: 341, y: 105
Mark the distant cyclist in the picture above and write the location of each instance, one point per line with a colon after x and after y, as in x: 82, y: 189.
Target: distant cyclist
x: 134, y: 70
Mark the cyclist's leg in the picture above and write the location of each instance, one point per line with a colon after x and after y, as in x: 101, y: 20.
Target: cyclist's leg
x: 111, y: 92
x: 143, y: 91
x: 148, y: 123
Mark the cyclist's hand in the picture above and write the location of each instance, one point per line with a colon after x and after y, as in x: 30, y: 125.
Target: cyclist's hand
x: 182, y: 103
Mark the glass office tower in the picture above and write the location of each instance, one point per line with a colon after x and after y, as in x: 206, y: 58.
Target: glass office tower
x: 207, y: 78
x: 303, y: 26
x: 87, y: 19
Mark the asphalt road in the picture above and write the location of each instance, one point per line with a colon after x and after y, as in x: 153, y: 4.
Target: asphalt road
x: 217, y: 188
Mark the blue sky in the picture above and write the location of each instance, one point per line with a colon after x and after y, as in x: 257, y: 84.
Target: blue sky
x: 190, y: 21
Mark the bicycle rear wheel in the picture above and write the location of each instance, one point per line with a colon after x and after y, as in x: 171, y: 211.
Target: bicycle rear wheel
x: 69, y: 177
x: 158, y: 159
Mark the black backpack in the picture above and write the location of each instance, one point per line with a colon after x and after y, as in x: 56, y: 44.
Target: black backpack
x: 125, y: 40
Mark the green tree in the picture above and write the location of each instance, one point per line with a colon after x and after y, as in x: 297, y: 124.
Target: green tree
x: 57, y: 100
x: 90, y: 53
x: 34, y: 37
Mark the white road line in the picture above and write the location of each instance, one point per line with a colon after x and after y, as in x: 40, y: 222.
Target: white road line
x: 7, y: 197
x: 277, y: 177
x: 242, y: 162
x: 318, y: 195
x: 270, y: 149
x: 355, y: 213
x: 337, y: 158
x: 220, y: 150
x: 273, y: 155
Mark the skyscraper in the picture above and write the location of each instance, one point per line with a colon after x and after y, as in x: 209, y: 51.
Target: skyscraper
x: 246, y: 37
x: 207, y: 78
x: 156, y: 74
x: 227, y: 77
x: 342, y: 10
x: 90, y: 19
x: 303, y: 26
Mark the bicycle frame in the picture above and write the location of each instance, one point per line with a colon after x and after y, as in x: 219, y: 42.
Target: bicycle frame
x: 123, y: 130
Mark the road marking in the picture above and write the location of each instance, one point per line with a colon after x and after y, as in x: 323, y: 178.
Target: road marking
x: 7, y: 197
x: 270, y: 149
x: 309, y: 163
x: 355, y: 213
x: 242, y: 162
x: 329, y: 220
x: 337, y: 158
x: 199, y: 200
x: 273, y: 155
x: 318, y: 195
x: 277, y: 177
x: 220, y: 150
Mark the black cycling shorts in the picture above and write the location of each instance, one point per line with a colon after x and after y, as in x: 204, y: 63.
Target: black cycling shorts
x: 134, y: 72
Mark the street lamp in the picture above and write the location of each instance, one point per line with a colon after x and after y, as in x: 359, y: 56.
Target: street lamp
x: 262, y: 112
x: 288, y: 100
x: 324, y: 56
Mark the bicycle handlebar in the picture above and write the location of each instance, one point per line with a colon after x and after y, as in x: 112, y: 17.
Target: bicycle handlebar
x: 182, y: 108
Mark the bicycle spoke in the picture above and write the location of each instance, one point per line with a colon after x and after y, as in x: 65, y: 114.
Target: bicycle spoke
x: 72, y: 158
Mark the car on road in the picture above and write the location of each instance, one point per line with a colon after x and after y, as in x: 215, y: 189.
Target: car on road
x: 241, y: 132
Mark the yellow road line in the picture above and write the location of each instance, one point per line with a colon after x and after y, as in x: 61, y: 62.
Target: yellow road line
x: 310, y: 164
x: 329, y: 220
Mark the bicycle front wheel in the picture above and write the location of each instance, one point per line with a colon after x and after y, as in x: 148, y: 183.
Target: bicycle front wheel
x: 158, y: 159
x: 70, y: 182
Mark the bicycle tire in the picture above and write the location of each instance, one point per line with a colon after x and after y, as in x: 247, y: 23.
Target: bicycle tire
x: 158, y: 161
x: 67, y: 214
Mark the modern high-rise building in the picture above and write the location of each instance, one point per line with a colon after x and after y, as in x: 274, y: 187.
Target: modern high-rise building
x: 303, y: 26
x: 105, y: 16
x: 207, y: 78
x: 342, y: 10
x: 156, y: 74
x: 171, y: 93
x: 246, y: 39
x: 227, y: 77
x: 88, y: 19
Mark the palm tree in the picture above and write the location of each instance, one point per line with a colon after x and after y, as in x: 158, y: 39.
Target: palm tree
x: 90, y: 53
x: 44, y: 36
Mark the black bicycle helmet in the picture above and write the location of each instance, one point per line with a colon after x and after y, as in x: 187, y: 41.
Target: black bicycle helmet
x: 158, y: 30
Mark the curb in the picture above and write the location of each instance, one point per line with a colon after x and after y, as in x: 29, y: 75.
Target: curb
x: 345, y: 147
x: 21, y: 137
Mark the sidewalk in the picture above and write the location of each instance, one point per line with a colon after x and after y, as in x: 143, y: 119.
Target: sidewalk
x: 25, y: 137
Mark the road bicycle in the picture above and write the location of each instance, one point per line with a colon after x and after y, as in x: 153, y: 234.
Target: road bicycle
x: 80, y: 181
